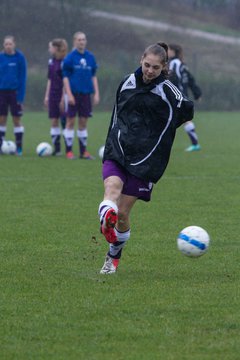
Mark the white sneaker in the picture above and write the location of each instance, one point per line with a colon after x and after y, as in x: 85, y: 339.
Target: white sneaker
x: 110, y: 265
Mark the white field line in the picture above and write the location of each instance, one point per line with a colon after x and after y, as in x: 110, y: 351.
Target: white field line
x: 152, y: 24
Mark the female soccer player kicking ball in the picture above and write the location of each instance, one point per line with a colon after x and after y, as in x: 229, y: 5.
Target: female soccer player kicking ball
x: 147, y: 112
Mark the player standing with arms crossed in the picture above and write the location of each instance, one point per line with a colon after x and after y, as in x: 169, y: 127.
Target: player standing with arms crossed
x: 13, y: 74
x: 147, y: 112
x: 81, y: 85
x: 54, y: 96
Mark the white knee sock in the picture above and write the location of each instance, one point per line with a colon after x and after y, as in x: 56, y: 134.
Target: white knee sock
x: 115, y: 250
x: 190, y: 130
x: 68, y: 136
x: 104, y: 206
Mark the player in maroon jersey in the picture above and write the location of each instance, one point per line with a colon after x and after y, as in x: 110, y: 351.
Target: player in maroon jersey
x: 54, y: 95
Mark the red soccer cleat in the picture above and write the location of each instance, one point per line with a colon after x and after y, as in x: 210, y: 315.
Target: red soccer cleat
x: 109, y: 222
x: 70, y: 155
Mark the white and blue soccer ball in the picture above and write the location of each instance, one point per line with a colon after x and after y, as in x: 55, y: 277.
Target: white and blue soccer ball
x: 193, y: 241
x: 44, y: 149
x: 8, y: 147
x: 101, y: 151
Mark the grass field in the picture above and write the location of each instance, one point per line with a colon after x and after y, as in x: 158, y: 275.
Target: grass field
x: 160, y: 304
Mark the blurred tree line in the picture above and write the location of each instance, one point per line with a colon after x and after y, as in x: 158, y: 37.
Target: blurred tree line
x: 118, y: 47
x: 227, y: 11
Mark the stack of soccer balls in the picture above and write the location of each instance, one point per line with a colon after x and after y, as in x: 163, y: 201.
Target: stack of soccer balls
x: 193, y: 241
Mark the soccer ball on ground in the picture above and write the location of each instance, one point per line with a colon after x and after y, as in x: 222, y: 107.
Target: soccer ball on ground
x: 8, y: 147
x: 193, y: 241
x: 44, y: 149
x: 101, y: 151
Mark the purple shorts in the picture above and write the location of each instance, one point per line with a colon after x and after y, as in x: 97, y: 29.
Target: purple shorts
x: 132, y: 185
x: 54, y: 108
x: 82, y: 107
x: 8, y: 99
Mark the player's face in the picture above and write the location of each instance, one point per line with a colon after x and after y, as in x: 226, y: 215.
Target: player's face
x: 80, y: 42
x: 171, y: 53
x: 9, y: 46
x: 151, y: 67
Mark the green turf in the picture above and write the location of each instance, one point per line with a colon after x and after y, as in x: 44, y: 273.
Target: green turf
x: 160, y: 304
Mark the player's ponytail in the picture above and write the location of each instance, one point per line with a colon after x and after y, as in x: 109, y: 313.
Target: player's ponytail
x: 165, y: 47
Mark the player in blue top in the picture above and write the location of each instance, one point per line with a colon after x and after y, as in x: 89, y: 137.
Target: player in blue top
x: 81, y: 86
x: 13, y: 72
x: 54, y: 96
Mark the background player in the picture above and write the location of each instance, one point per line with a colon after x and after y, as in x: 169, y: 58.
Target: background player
x: 13, y: 73
x: 54, y: 96
x: 184, y: 80
x: 81, y: 85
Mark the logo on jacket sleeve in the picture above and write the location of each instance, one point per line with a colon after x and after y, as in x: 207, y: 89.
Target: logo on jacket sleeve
x: 130, y: 83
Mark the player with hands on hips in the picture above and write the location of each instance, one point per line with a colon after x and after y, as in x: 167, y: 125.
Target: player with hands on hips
x: 148, y: 110
x: 13, y: 74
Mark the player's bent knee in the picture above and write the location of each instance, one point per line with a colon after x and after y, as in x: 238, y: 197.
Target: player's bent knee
x: 112, y: 187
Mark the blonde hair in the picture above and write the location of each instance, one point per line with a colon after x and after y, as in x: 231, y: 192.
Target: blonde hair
x: 78, y: 33
x: 9, y: 37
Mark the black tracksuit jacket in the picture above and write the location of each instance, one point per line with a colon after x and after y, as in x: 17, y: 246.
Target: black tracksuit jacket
x: 183, y: 79
x: 143, y: 125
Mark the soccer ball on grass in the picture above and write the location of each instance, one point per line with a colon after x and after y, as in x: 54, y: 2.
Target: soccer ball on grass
x: 101, y: 151
x: 8, y: 147
x: 44, y: 149
x: 193, y: 241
